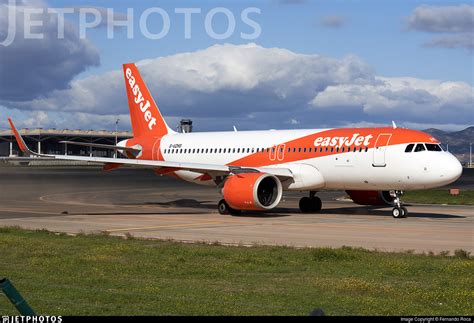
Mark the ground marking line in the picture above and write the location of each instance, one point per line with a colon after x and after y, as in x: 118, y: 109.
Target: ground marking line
x: 164, y: 226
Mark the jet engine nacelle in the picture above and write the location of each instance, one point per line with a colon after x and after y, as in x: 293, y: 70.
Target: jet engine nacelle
x: 371, y: 197
x: 252, y: 191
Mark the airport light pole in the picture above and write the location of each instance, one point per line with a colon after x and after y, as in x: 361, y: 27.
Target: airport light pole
x: 116, y: 125
x: 470, y: 154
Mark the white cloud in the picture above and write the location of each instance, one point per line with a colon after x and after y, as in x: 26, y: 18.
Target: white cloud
x: 256, y: 87
x: 219, y: 74
x: 33, y: 67
x: 414, y: 98
x: 36, y: 119
x: 453, y: 41
x: 437, y: 19
x: 456, y: 22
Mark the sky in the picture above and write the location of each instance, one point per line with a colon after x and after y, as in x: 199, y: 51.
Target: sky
x: 275, y: 64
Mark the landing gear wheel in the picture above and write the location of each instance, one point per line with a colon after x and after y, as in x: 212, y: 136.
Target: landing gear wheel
x: 316, y: 204
x: 305, y: 204
x: 310, y: 204
x: 397, y: 212
x: 405, y: 211
x: 223, y: 207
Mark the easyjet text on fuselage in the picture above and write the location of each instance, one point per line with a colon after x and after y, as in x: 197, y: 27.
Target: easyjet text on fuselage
x: 355, y: 140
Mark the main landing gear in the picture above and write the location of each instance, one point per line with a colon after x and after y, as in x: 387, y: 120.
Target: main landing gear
x: 398, y: 211
x: 224, y: 208
x: 311, y: 204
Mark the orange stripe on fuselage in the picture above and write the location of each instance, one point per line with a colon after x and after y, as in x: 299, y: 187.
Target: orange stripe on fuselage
x: 346, y: 137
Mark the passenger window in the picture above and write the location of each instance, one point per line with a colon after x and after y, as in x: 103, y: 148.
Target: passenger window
x: 419, y: 147
x: 409, y: 148
x: 233, y: 150
x: 321, y: 149
x: 433, y: 147
x: 337, y: 149
x: 366, y: 149
x: 332, y: 149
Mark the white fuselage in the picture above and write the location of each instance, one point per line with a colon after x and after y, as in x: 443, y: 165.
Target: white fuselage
x: 387, y: 167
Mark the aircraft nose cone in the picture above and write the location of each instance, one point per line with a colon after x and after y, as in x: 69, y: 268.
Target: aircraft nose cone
x: 453, y: 169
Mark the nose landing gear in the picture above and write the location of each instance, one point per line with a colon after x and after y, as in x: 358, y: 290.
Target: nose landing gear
x: 398, y: 211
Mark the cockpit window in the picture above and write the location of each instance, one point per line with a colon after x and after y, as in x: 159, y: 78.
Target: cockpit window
x: 409, y: 148
x: 419, y: 147
x: 433, y: 147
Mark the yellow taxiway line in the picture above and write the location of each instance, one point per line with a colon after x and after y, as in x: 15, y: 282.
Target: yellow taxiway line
x: 164, y: 226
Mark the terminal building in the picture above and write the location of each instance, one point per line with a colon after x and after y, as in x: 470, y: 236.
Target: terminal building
x: 47, y: 141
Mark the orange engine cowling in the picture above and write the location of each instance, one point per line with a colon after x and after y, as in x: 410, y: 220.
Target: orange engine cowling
x: 371, y: 197
x: 252, y: 191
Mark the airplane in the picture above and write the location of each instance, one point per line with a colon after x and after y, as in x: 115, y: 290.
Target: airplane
x: 252, y: 169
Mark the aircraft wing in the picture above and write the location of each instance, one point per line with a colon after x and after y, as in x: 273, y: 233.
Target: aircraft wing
x: 283, y: 173
x: 86, y: 144
x: 198, y: 167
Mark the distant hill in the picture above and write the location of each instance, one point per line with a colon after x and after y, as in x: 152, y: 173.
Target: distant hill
x: 458, y: 141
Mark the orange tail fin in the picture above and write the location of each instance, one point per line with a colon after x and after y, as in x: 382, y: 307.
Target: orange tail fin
x: 144, y: 113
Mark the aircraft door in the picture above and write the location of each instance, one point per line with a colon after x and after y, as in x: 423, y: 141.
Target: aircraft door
x: 380, y: 148
x: 281, y: 152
